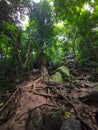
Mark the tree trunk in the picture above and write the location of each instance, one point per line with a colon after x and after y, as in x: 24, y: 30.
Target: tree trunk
x: 43, y: 66
x: 24, y: 64
x: 73, y: 44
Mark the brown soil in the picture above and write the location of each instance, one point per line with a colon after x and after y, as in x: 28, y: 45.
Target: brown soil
x: 27, y: 101
x: 35, y: 93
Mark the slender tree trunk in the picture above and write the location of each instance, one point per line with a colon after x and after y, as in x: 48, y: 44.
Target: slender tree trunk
x: 73, y: 44
x: 24, y: 64
x: 27, y: 56
x: 43, y: 66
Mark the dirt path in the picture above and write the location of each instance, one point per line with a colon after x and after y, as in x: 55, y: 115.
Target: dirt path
x: 28, y: 100
x: 34, y: 93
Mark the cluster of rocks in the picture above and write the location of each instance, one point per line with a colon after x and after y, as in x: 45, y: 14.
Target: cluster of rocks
x: 35, y: 121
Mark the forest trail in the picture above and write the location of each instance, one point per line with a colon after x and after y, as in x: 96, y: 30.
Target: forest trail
x: 49, y: 98
x: 32, y: 95
x: 60, y: 38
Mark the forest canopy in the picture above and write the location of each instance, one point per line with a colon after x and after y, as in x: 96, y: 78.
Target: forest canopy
x: 60, y: 28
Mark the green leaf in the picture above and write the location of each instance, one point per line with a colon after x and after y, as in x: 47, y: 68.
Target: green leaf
x: 67, y: 115
x: 1, y: 117
x: 1, y: 104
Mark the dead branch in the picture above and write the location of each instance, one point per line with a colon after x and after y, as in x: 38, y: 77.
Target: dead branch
x: 12, y: 96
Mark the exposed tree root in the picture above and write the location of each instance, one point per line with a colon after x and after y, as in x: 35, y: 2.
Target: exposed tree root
x: 87, y: 124
x: 35, y: 92
x: 45, y: 95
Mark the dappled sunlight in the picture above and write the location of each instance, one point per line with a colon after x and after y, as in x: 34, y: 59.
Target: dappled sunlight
x: 89, y: 8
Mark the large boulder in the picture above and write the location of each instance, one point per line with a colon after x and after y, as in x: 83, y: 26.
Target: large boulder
x: 64, y: 70
x: 71, y: 124
x: 57, y: 77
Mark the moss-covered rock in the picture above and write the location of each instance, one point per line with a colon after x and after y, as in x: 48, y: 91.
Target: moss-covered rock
x: 64, y: 70
x: 56, y: 120
x: 57, y: 77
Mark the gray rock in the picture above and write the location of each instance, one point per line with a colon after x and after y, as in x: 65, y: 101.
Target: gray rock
x: 71, y: 124
x: 34, y: 121
x: 56, y: 119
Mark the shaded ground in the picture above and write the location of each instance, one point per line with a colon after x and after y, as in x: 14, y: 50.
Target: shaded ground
x: 69, y: 98
x: 27, y: 101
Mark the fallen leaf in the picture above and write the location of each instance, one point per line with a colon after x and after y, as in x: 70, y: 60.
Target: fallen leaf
x: 1, y: 104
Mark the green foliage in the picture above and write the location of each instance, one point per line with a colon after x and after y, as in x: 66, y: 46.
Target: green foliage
x: 65, y: 28
x: 42, y: 24
x: 84, y: 20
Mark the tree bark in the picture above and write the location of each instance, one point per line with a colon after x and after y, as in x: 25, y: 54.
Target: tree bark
x: 73, y: 44
x: 43, y: 66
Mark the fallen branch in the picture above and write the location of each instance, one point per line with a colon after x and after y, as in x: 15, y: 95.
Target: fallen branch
x: 12, y: 96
